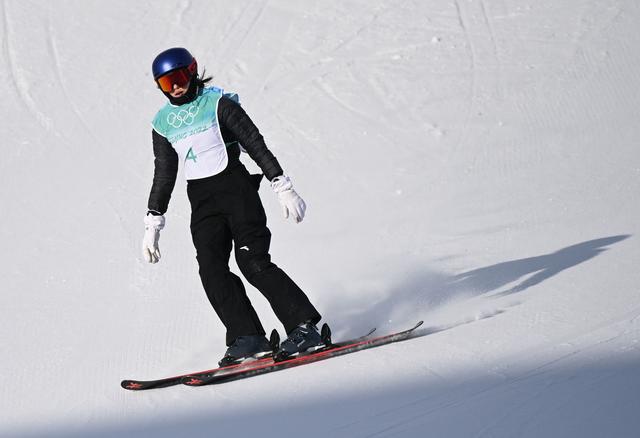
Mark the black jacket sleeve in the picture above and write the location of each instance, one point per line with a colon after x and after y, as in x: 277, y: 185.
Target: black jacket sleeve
x: 164, y: 175
x: 235, y: 125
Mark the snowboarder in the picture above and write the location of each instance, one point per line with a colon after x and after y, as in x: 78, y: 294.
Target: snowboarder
x: 205, y: 129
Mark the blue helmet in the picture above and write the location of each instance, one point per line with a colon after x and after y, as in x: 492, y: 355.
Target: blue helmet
x: 173, y: 59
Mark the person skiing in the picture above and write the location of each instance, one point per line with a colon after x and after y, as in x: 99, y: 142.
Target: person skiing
x: 205, y: 129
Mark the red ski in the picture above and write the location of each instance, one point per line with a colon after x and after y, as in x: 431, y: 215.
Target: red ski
x: 139, y: 385
x: 255, y: 369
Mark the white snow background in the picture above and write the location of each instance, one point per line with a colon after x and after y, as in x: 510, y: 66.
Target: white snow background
x: 472, y: 163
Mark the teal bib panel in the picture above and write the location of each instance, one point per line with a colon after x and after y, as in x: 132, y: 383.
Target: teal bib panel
x: 193, y: 131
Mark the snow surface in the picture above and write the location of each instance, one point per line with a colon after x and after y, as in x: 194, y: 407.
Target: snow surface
x: 472, y: 163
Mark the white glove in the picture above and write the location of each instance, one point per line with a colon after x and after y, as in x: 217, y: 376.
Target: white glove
x: 292, y: 203
x: 152, y: 226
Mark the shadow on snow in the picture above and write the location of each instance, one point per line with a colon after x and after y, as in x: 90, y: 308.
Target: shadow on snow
x: 423, y: 291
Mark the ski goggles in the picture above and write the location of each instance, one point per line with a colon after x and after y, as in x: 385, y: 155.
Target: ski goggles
x: 180, y: 77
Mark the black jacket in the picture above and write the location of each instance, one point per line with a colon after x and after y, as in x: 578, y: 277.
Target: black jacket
x: 236, y: 127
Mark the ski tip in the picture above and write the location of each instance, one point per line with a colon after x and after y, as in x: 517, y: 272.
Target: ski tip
x: 131, y: 385
x: 418, y: 324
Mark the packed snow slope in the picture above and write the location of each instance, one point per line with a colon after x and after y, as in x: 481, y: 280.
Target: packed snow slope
x: 472, y: 163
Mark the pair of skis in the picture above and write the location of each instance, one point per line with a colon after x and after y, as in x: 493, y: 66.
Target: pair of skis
x: 268, y: 364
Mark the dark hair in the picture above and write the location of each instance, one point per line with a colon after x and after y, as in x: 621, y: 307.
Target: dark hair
x: 202, y: 80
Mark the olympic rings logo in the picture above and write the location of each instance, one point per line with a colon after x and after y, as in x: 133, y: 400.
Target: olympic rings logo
x: 183, y: 117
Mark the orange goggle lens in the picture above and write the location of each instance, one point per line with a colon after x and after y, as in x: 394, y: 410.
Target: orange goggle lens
x: 178, y: 77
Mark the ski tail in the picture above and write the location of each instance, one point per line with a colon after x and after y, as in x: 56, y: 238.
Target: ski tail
x: 140, y: 385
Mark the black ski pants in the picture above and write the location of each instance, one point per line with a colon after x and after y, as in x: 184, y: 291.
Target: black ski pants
x: 226, y: 209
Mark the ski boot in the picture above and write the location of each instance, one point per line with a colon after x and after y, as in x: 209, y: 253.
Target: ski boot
x: 303, y: 338
x: 244, y: 348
